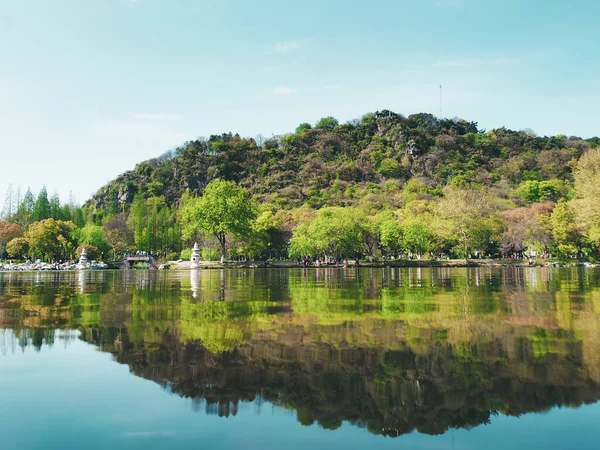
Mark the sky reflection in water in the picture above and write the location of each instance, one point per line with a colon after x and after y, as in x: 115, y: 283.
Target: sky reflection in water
x: 331, y: 358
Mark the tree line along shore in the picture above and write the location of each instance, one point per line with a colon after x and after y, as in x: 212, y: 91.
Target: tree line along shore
x: 382, y: 188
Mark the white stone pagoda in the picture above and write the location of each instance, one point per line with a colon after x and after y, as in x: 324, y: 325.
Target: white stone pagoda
x: 195, y: 259
x: 83, y: 260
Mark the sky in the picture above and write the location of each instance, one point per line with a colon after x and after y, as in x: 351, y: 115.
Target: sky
x: 90, y: 88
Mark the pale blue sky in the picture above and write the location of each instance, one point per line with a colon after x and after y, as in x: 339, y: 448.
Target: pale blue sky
x: 89, y: 88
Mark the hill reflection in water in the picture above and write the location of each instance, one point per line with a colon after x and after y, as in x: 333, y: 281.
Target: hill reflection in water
x: 391, y: 350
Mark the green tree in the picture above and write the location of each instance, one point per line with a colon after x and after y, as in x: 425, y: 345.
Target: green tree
x: 41, y: 209
x: 25, y: 211
x: 223, y: 209
x: 390, y: 232
x: 417, y: 238
x: 540, y: 191
x: 138, y: 222
x: 78, y: 219
x: 51, y: 239
x: 587, y: 187
x: 303, y: 127
x: 566, y: 231
x: 55, y: 209
x: 327, y: 123
x: 267, y: 237
x: 465, y: 216
x: 17, y: 248
x: 92, y: 235
x: 335, y: 232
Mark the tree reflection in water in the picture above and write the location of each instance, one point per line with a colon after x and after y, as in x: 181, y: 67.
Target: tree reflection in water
x: 389, y: 350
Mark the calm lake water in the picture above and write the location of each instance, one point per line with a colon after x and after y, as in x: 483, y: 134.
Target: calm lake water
x: 495, y: 358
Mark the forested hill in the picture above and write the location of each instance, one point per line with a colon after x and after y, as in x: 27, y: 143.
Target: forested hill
x: 368, y: 160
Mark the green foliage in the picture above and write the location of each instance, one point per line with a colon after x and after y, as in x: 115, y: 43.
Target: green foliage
x: 18, y: 248
x: 390, y: 168
x: 335, y: 232
x: 381, y: 164
x: 186, y: 254
x: 587, y: 204
x: 327, y: 123
x: 51, y: 239
x: 137, y: 221
x: 567, y: 233
x: 209, y: 254
x: 222, y: 209
x: 92, y: 235
x: 417, y: 237
x: 41, y: 209
x: 25, y: 211
x: 303, y: 127
x: 466, y: 218
x: 540, y: 191
x: 390, y: 232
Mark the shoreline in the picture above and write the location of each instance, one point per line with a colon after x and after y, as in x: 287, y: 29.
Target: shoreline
x: 212, y: 265
x: 454, y: 263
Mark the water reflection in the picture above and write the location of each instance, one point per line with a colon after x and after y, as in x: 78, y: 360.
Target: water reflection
x: 386, y: 349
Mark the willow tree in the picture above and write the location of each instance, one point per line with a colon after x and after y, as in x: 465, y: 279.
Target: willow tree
x: 466, y: 217
x: 223, y: 209
x: 335, y: 231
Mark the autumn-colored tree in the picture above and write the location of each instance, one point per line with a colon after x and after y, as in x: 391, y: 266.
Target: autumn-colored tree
x: 91, y: 250
x: 8, y: 232
x: 524, y: 228
x: 118, y: 235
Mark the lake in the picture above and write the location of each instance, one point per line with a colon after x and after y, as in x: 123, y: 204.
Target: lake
x: 501, y: 358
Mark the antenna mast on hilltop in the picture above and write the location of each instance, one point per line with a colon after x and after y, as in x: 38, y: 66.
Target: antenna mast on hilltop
x: 440, y: 101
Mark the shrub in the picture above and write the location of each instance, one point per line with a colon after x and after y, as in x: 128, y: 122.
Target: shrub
x: 173, y: 256
x: 210, y: 254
